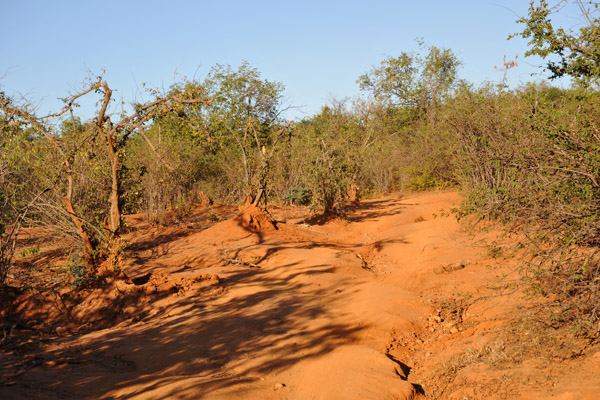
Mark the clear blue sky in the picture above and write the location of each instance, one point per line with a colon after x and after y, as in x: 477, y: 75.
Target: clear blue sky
x: 317, y: 49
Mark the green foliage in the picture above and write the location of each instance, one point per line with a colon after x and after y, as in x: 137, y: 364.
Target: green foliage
x: 530, y: 158
x: 569, y: 52
x: 78, y: 272
x: 245, y: 115
x: 14, y: 179
x: 298, y: 195
x: 240, y: 129
x: 241, y: 95
x: 326, y: 142
x: 32, y: 251
x: 413, y: 80
x: 524, y: 155
x: 165, y: 175
x: 527, y: 156
x: 6, y: 242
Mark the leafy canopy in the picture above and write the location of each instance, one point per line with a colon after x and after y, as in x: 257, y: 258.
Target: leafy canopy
x: 413, y: 80
x: 570, y: 52
x: 241, y: 96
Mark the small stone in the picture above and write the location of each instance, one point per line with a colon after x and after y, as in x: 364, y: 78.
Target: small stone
x: 279, y: 385
x: 453, y: 330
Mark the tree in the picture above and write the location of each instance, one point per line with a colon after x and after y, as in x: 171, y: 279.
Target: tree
x: 413, y: 80
x: 245, y: 114
x: 16, y: 199
x: 10, y: 207
x: 163, y: 166
x: 327, y: 143
x: 101, y: 132
x: 568, y: 52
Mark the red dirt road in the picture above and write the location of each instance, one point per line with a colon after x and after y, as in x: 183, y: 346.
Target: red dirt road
x: 347, y: 309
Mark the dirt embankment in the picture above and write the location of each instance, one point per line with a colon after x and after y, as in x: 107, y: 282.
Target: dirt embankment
x: 396, y: 301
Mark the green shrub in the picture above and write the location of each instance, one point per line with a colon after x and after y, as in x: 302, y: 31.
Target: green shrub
x: 298, y: 195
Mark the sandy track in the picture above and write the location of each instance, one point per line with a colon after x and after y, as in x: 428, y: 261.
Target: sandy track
x: 311, y: 321
x: 303, y: 312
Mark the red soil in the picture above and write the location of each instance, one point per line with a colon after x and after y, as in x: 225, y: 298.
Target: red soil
x: 393, y: 302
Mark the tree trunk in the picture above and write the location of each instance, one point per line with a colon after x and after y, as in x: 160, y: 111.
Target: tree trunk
x: 89, y: 249
x: 115, y: 213
x: 256, y: 201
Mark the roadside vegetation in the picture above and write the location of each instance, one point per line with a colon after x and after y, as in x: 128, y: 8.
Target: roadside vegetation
x: 527, y: 157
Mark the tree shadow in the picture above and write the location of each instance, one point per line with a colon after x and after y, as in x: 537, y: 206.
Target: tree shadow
x: 199, y: 342
x: 280, y: 321
x: 322, y: 219
x: 374, y: 209
x: 158, y: 240
x: 360, y: 211
x: 378, y: 245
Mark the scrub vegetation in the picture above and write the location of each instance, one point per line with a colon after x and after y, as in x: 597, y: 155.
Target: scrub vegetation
x: 526, y: 157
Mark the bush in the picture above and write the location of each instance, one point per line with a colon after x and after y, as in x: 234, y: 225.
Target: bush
x: 298, y: 195
x: 530, y: 157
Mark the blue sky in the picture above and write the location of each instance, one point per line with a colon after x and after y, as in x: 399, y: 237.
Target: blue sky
x: 317, y: 49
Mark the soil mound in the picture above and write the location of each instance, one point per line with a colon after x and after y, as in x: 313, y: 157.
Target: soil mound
x: 99, y: 306
x: 254, y: 219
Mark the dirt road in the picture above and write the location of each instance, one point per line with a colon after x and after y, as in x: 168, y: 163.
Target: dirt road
x: 305, y: 311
